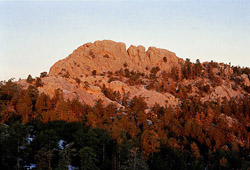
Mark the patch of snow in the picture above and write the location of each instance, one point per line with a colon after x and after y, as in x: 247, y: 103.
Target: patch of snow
x: 30, y: 139
x: 21, y: 147
x: 70, y: 167
x: 60, y: 144
x: 31, y: 166
x: 149, y: 122
x: 67, y: 91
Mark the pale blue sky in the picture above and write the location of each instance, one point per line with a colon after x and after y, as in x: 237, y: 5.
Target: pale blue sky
x: 34, y: 35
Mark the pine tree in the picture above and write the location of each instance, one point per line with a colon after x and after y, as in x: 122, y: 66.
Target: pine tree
x: 197, y: 68
x: 43, y: 74
x: 43, y: 159
x: 135, y: 161
x: 24, y: 106
x: 65, y: 157
x: 38, y: 82
x: 187, y: 69
x: 149, y: 142
x: 88, y: 159
x: 29, y: 79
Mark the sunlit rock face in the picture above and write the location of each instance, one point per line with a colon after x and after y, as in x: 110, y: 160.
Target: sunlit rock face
x: 92, y: 67
x: 107, y: 55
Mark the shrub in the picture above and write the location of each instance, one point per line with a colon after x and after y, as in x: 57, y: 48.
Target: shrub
x: 93, y: 72
x: 66, y: 75
x: 91, y: 54
x: 43, y: 74
x: 78, y: 81
x: 106, y: 56
x: 154, y: 70
x: 29, y: 79
x: 165, y: 59
x: 38, y: 82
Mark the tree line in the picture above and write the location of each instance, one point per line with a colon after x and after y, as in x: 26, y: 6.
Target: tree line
x: 51, y: 133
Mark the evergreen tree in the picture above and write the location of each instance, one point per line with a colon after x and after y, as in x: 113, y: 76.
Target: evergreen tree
x: 135, y: 161
x: 88, y: 159
x: 29, y: 79
x: 43, y: 159
x: 66, y: 155
x: 24, y: 106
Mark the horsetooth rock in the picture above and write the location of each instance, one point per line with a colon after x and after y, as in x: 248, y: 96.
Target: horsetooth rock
x: 73, y: 75
x: 104, y: 56
x: 82, y: 76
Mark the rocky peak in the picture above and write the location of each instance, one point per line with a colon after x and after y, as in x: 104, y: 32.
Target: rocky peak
x: 93, y: 72
x: 109, y: 56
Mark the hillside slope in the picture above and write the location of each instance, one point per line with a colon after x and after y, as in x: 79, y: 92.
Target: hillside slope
x: 175, y: 113
x: 158, y: 75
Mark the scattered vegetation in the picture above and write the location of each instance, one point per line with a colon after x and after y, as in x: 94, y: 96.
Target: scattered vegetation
x: 106, y: 56
x: 29, y: 79
x: 165, y: 59
x: 51, y: 133
x: 94, y: 73
x: 91, y: 53
x: 43, y: 74
x: 39, y: 82
x: 78, y: 81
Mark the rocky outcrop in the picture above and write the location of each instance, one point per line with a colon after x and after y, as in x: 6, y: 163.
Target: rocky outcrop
x: 90, y: 91
x: 244, y: 78
x: 153, y: 97
x: 84, y: 73
x: 104, y: 56
x: 221, y: 92
x: 89, y: 61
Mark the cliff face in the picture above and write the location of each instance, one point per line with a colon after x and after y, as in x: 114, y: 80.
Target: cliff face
x: 104, y: 69
x: 105, y: 56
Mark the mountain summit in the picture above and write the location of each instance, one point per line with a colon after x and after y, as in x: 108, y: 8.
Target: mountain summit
x: 109, y: 56
x: 101, y: 69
